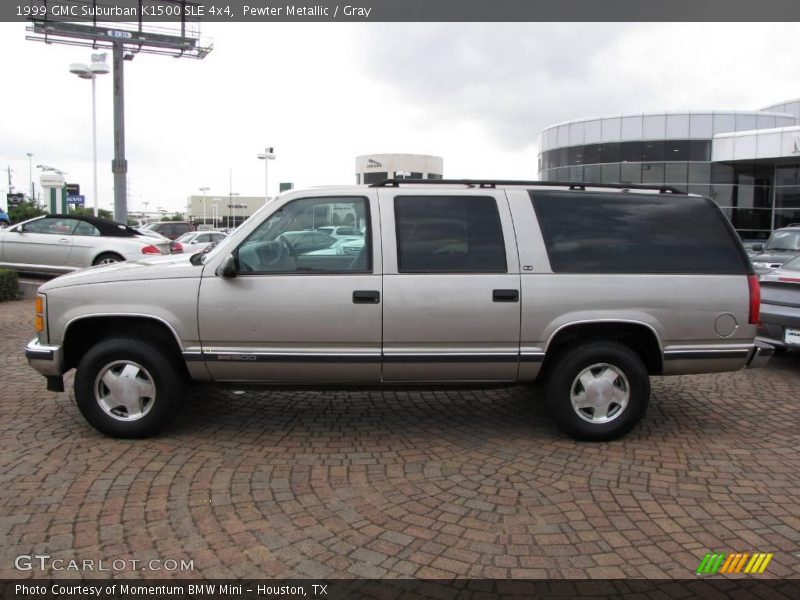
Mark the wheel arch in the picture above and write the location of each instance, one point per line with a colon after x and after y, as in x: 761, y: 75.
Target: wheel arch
x: 82, y: 333
x: 639, y: 336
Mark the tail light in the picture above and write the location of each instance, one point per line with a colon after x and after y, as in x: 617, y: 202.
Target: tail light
x: 789, y: 279
x: 151, y: 250
x: 176, y: 247
x: 755, y: 299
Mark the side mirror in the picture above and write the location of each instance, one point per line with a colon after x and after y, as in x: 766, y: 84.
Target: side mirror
x: 758, y: 247
x: 228, y: 268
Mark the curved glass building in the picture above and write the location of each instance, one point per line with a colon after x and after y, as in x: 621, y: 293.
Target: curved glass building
x: 747, y: 161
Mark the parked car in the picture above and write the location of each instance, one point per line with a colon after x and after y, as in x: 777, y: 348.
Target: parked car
x: 170, y: 229
x: 347, y: 245
x: 342, y: 231
x: 198, y: 241
x: 4, y: 220
x: 302, y: 242
x: 585, y: 287
x: 780, y: 302
x: 782, y: 246
x: 63, y: 243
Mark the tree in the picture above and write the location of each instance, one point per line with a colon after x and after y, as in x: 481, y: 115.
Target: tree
x: 175, y: 217
x: 24, y: 211
x: 88, y: 212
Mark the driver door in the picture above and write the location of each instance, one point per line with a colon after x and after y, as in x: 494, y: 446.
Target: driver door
x: 291, y: 314
x: 44, y: 242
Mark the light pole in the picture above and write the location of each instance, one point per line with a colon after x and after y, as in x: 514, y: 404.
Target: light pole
x: 215, y: 212
x: 266, y: 157
x: 30, y: 173
x: 204, y: 190
x: 232, y: 208
x: 97, y: 67
x: 145, y: 202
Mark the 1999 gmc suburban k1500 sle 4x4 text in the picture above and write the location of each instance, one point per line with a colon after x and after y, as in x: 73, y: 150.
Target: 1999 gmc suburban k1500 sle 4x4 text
x: 590, y: 287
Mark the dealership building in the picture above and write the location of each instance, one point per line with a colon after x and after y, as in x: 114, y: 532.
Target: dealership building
x: 374, y: 168
x: 748, y: 162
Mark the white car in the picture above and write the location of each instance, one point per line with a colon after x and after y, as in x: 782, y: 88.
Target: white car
x: 198, y: 241
x: 341, y: 231
x: 62, y: 243
x: 347, y: 245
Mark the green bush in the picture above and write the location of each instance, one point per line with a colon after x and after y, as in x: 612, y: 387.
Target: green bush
x: 9, y: 285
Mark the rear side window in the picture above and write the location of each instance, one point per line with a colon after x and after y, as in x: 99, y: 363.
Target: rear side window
x: 449, y: 234
x: 589, y: 232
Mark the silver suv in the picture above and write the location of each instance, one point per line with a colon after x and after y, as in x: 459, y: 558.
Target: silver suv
x: 588, y: 288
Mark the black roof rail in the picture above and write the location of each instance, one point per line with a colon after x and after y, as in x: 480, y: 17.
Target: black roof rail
x: 492, y: 183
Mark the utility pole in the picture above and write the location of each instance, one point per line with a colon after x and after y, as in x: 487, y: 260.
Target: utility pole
x: 119, y: 165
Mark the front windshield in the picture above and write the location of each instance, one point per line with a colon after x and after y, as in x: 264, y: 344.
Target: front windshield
x: 792, y: 265
x: 784, y: 240
x: 185, y: 237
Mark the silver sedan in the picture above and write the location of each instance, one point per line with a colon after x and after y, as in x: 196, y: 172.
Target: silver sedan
x: 63, y: 243
x: 780, y: 306
x: 198, y: 241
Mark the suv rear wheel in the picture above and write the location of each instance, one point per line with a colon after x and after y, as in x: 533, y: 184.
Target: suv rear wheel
x: 128, y: 388
x: 598, y: 391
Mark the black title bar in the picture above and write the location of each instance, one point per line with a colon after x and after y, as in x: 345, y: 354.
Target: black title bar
x: 264, y: 11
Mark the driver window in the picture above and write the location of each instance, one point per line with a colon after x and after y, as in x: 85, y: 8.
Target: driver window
x: 53, y: 226
x: 299, y: 239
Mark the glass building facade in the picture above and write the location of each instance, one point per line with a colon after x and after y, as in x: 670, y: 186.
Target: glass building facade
x: 758, y: 194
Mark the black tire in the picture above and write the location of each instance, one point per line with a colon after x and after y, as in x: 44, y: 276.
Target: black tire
x: 149, y: 368
x: 608, y: 358
x: 107, y: 258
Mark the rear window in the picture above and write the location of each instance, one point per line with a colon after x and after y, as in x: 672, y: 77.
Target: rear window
x: 595, y: 232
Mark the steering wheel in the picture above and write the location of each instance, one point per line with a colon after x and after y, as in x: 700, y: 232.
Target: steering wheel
x: 287, y: 246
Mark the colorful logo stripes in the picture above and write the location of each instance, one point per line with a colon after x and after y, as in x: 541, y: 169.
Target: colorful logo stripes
x: 734, y: 563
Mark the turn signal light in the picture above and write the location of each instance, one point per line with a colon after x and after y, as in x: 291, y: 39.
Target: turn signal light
x: 150, y: 250
x: 39, y: 320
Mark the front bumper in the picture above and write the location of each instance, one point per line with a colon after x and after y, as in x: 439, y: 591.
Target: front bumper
x: 760, y: 354
x: 48, y: 360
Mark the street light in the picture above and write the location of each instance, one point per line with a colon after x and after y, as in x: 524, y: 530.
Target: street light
x: 97, y: 67
x: 30, y: 173
x: 266, y: 157
x: 204, y: 190
x: 232, y: 208
x: 215, y: 212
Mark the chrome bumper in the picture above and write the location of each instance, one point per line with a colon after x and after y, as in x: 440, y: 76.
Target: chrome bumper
x: 760, y: 354
x: 48, y: 360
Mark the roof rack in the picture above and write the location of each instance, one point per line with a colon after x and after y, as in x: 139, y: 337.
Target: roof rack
x: 493, y: 183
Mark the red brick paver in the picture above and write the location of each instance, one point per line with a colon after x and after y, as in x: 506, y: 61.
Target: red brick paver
x: 400, y: 484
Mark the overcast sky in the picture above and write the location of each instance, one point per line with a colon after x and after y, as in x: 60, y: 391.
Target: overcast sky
x: 476, y: 94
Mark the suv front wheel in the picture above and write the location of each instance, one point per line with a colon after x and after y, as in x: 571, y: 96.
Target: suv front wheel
x: 598, y: 391
x: 128, y: 388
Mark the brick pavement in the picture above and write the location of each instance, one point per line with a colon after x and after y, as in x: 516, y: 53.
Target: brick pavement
x: 400, y: 484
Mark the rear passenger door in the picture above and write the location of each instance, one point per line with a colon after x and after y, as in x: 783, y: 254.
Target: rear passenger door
x: 451, y: 286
